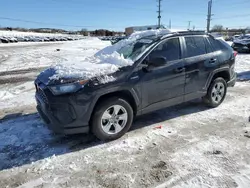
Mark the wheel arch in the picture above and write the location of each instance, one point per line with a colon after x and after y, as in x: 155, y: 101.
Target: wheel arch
x: 129, y: 96
x: 222, y: 72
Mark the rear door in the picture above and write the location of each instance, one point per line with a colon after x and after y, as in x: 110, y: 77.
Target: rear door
x: 199, y: 60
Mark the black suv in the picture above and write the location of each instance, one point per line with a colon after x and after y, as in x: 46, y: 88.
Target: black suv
x: 175, y: 68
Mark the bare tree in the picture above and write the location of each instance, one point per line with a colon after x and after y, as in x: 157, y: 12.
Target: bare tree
x: 84, y: 32
x: 218, y: 28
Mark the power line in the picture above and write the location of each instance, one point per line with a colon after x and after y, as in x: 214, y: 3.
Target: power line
x: 54, y: 24
x: 232, y: 16
x: 235, y: 4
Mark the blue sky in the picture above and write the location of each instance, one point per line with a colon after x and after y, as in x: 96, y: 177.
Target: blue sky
x: 118, y: 14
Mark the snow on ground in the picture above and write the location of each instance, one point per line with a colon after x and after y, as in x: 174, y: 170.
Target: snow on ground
x: 16, y: 95
x: 196, y: 146
x: 242, y: 66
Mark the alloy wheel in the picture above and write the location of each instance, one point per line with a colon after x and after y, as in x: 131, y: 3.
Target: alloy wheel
x: 114, y: 119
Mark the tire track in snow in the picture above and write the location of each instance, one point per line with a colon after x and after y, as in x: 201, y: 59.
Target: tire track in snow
x: 3, y: 58
x: 22, y: 71
x: 22, y: 75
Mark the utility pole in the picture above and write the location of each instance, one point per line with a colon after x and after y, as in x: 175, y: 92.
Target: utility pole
x: 170, y: 24
x: 193, y: 27
x: 159, y: 13
x: 189, y: 23
x: 209, y: 14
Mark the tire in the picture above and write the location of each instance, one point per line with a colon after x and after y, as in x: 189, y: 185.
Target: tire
x: 213, y: 91
x: 100, y: 124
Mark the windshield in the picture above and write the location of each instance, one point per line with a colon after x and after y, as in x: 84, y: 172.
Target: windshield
x: 132, y: 50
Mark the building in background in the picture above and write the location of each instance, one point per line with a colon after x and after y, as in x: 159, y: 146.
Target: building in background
x: 130, y: 30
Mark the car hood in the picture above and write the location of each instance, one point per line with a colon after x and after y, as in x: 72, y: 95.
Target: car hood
x: 47, y: 77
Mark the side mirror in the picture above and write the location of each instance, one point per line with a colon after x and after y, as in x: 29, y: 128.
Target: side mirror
x: 156, y: 62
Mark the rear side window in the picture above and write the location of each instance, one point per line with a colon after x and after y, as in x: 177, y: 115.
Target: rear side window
x: 169, y: 49
x: 223, y: 45
x: 218, y: 44
x: 195, y: 46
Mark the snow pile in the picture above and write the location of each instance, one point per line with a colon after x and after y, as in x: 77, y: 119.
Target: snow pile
x: 104, y: 62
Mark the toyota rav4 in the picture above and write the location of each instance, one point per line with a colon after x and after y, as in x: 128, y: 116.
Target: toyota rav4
x: 167, y: 70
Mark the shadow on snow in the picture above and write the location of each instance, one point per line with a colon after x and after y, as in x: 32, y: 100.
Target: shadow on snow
x: 26, y: 139
x: 243, y: 76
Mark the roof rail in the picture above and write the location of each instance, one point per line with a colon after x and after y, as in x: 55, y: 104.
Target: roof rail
x: 184, y: 33
x: 192, y: 32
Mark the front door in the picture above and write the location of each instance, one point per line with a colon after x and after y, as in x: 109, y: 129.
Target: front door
x: 164, y: 86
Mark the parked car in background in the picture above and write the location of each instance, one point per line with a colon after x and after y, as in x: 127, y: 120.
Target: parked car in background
x: 4, y: 40
x: 116, y: 39
x: 35, y: 38
x: 20, y: 39
x: 167, y: 70
x: 11, y: 39
x: 236, y: 37
x: 242, y: 44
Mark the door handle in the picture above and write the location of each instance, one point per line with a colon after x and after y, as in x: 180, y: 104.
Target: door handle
x: 212, y: 61
x: 179, y: 70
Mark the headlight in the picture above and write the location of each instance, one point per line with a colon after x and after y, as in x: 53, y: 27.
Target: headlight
x: 67, y: 88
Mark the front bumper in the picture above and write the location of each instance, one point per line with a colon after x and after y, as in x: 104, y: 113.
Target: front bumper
x: 241, y: 48
x: 61, y: 114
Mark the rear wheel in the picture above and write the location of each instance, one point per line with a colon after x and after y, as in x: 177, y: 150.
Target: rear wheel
x: 112, y: 119
x: 216, y: 92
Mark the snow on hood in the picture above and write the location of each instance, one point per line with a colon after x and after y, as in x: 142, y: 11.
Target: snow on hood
x: 103, y: 63
x: 91, y: 67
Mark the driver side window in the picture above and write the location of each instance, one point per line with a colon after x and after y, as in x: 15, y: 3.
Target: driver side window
x: 169, y: 49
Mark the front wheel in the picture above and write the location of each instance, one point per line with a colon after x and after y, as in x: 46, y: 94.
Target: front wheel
x: 216, y: 92
x: 112, y: 119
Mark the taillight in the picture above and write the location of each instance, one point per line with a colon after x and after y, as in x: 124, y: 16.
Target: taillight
x: 235, y: 53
